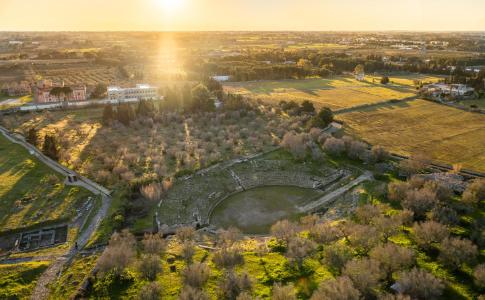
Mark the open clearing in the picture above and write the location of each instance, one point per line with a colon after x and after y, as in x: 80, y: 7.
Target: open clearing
x: 254, y: 211
x: 336, y: 93
x: 30, y: 192
x: 446, y: 134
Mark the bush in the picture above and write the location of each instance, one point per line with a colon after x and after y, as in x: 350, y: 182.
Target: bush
x: 475, y: 192
x: 283, y: 292
x: 334, y: 146
x: 340, y: 288
x: 228, y: 258
x: 153, y: 244
x: 427, y: 233
x: 324, y: 233
x: 188, y: 250
x: 232, y: 285
x: 149, y: 266
x: 420, y: 284
x: 479, y: 275
x: 298, y: 249
x: 392, y: 257
x: 284, y: 230
x: 456, y: 251
x: 363, y: 237
x: 196, y: 275
x: 151, y: 291
x: 379, y: 154
x: 336, y: 256
x: 119, y: 253
x: 365, y: 273
x: 184, y: 234
x: 190, y: 293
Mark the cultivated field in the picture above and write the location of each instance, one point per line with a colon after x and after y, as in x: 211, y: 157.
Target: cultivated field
x: 446, y: 134
x: 30, y: 192
x: 337, y: 93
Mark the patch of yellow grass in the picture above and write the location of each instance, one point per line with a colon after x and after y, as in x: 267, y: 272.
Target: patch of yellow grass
x: 445, y: 134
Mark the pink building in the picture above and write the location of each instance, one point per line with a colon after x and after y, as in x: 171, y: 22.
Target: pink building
x: 46, y: 91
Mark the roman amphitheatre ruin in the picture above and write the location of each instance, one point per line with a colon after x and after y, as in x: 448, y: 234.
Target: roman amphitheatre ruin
x: 253, y: 193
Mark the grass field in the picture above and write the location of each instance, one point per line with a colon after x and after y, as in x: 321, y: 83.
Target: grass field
x: 254, y: 211
x: 445, y: 134
x: 17, y: 281
x: 30, y: 192
x: 336, y: 93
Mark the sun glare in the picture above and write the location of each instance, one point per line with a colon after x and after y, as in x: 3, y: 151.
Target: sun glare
x: 170, y: 5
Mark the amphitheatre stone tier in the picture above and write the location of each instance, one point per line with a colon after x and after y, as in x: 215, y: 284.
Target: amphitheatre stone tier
x: 192, y: 199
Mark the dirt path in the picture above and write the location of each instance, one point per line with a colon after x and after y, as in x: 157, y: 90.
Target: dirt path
x: 334, y: 194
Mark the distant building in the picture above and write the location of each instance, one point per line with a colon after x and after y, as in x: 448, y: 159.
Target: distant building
x: 46, y: 91
x: 15, y: 89
x: 221, y: 78
x: 141, y: 91
x: 441, y: 89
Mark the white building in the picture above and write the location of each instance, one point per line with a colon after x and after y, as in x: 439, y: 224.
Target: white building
x: 141, y: 92
x: 454, y: 90
x: 221, y: 78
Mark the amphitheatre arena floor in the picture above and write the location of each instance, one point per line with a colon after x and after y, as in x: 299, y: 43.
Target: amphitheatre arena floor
x: 255, y: 210
x: 252, y: 194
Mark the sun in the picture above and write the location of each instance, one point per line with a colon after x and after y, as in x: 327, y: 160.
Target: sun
x: 170, y: 5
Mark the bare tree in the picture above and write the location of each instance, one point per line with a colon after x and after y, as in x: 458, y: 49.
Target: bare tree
x: 154, y: 244
x: 190, y: 293
x: 232, y: 285
x: 295, y: 143
x: 337, y: 255
x: 420, y: 284
x: 196, y: 275
x: 340, y: 288
x: 363, y: 237
x: 475, y: 192
x: 366, y: 213
x: 284, y: 230
x: 420, y: 201
x: 298, y: 249
x: 150, y: 266
x: 228, y: 258
x: 379, y: 154
x: 188, y: 250
x: 185, y: 233
x: 414, y: 165
x: 151, y: 291
x: 456, y: 251
x: 119, y: 253
x: 392, y: 257
x: 334, y: 146
x: 365, y: 273
x: 151, y: 192
x: 283, y: 292
x: 479, y: 275
x: 227, y: 238
x: 324, y: 233
x: 427, y: 233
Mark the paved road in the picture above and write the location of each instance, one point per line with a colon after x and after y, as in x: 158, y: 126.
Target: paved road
x: 335, y: 194
x: 41, y: 290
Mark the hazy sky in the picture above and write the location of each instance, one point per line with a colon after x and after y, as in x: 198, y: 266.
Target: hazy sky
x: 188, y: 15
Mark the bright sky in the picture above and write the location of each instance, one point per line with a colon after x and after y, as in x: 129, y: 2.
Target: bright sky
x: 192, y: 15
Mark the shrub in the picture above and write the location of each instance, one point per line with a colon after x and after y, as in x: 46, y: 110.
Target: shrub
x: 334, y: 146
x: 295, y: 143
x: 366, y: 213
x: 149, y: 266
x: 363, y: 237
x: 365, y: 273
x: 152, y: 192
x: 184, y: 234
x: 475, y: 192
x: 356, y: 150
x: 119, y: 253
x: 379, y: 154
x: 228, y: 237
x: 283, y: 292
x: 188, y: 250
x: 414, y: 165
x: 336, y: 256
x: 392, y: 257
x: 324, y: 233
x: 232, y: 285
x: 228, y: 258
x: 298, y: 249
x: 153, y: 244
x: 455, y: 251
x: 284, y: 230
x: 427, y: 233
x: 190, y: 293
x: 420, y: 284
x: 479, y: 275
x: 196, y: 275
x: 151, y: 291
x: 340, y: 288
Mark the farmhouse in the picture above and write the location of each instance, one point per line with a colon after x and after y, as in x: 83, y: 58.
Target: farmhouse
x: 442, y: 89
x: 141, y: 91
x: 47, y: 91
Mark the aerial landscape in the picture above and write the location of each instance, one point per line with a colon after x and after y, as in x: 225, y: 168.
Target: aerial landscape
x: 210, y: 149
